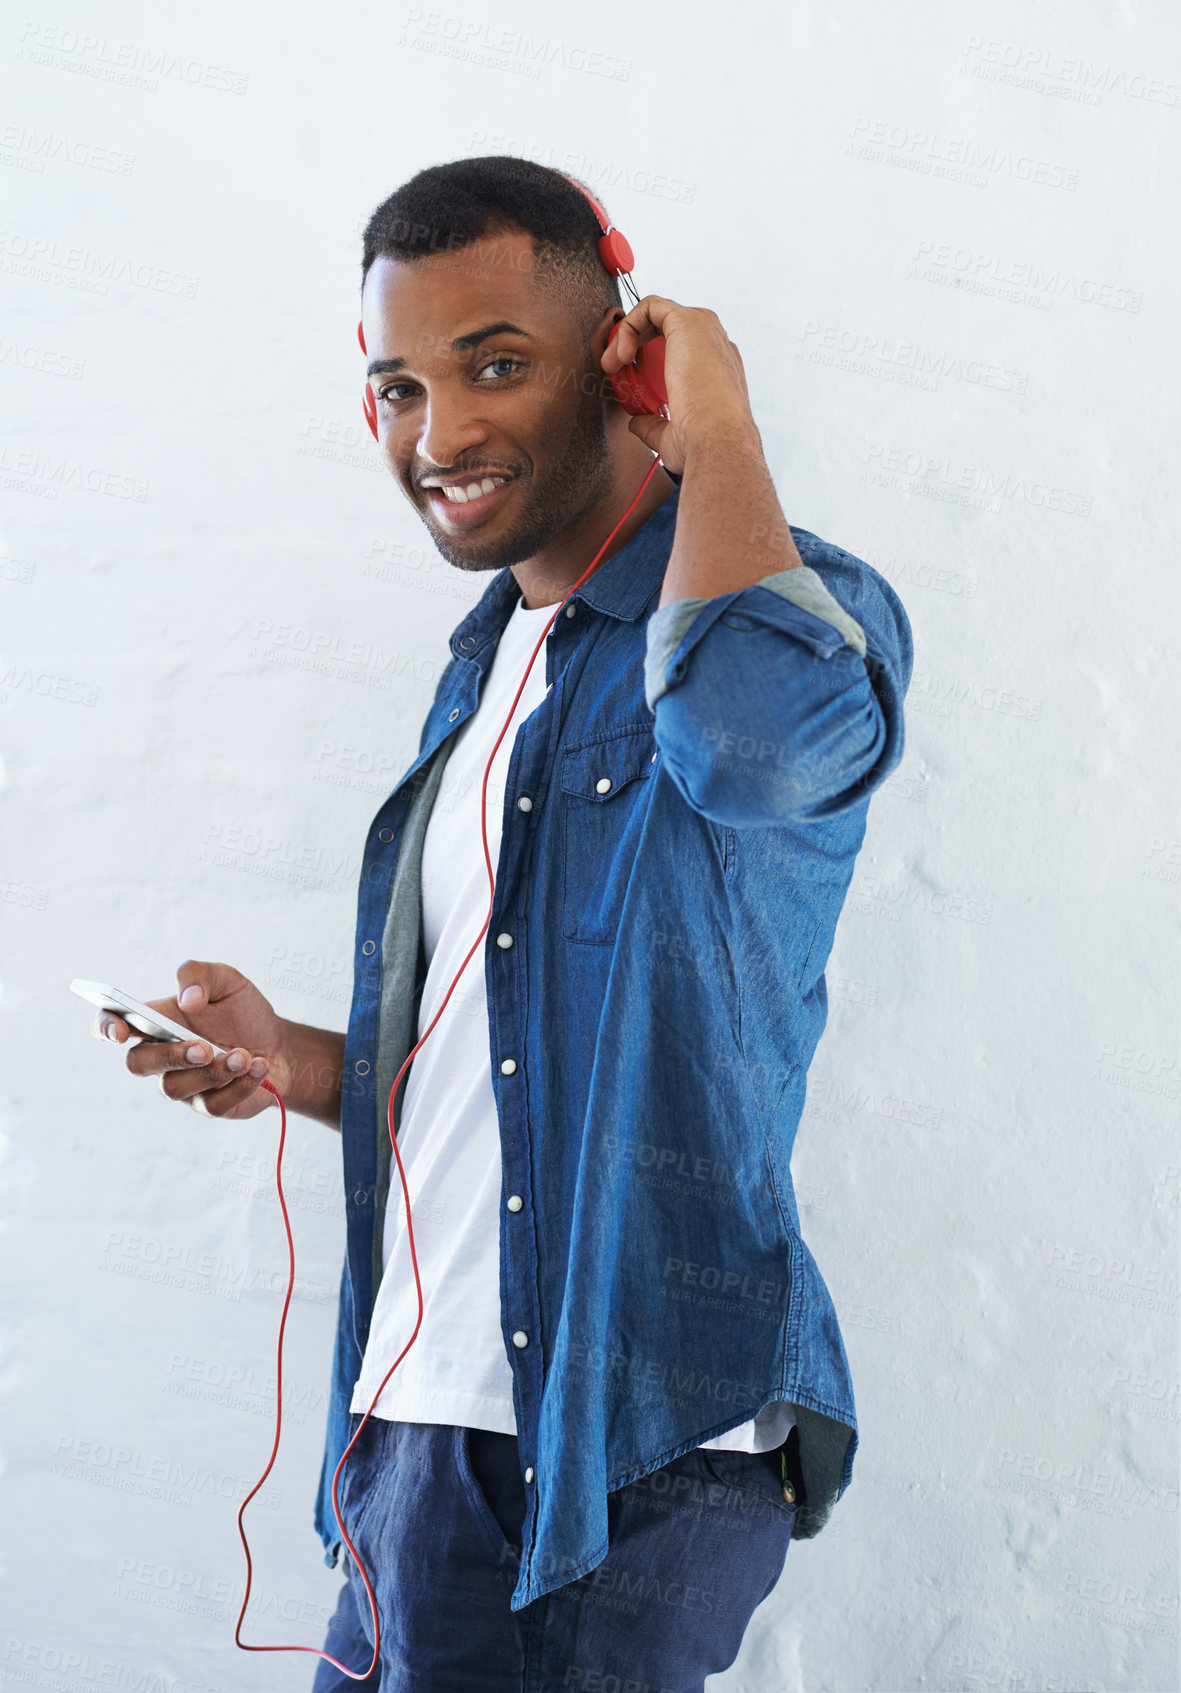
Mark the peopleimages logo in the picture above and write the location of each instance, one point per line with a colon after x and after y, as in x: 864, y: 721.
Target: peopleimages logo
x: 44, y: 473
x: 1043, y: 71
x: 866, y: 350
x: 602, y: 176
x: 925, y: 151
x: 43, y: 360
x: 919, y: 471
x: 126, y: 62
x: 464, y: 38
x: 30, y: 149
x: 989, y: 273
x: 47, y: 260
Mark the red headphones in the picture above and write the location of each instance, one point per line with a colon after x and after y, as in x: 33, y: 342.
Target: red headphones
x: 639, y: 386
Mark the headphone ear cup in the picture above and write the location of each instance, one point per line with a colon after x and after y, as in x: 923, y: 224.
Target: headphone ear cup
x: 368, y: 403
x: 651, y: 392
x: 615, y: 252
x: 639, y: 386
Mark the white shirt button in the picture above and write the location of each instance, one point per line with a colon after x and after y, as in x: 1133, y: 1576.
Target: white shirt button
x: 507, y: 1068
x: 504, y: 940
x: 453, y: 715
x: 529, y: 1473
x: 515, y: 1202
x: 603, y: 784
x: 524, y: 803
x: 571, y: 609
x: 520, y: 1338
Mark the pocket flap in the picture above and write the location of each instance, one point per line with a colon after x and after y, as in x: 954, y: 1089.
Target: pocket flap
x: 600, y: 769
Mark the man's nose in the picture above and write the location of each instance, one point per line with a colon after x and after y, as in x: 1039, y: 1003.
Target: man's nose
x: 449, y: 429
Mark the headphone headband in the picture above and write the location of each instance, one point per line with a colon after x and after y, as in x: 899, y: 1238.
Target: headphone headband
x: 614, y: 248
x: 595, y: 205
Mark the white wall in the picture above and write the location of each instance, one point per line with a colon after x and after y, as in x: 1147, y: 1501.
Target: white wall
x: 939, y: 236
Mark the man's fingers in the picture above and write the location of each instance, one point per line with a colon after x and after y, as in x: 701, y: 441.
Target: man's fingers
x: 186, y: 1080
x: 199, y: 983
x: 106, y: 1026
x: 150, y: 1057
x: 221, y: 1102
x: 656, y: 433
x: 642, y: 323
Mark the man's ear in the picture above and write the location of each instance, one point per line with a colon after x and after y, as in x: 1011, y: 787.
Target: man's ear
x: 603, y: 328
x: 598, y: 342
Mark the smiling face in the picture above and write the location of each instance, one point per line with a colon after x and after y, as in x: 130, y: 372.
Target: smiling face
x: 492, y: 411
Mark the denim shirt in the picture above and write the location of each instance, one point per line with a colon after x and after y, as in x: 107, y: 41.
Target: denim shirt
x: 681, y: 817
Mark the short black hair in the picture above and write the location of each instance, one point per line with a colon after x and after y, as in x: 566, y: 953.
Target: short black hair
x: 448, y: 207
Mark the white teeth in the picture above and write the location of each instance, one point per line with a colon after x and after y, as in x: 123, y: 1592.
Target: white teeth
x: 473, y: 490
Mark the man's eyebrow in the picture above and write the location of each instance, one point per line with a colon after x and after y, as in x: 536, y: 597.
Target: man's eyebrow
x: 388, y: 367
x: 478, y: 335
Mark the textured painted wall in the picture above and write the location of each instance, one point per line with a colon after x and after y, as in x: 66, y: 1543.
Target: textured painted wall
x: 939, y: 236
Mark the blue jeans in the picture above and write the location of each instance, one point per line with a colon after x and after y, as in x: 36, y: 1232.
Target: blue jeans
x: 435, y: 1512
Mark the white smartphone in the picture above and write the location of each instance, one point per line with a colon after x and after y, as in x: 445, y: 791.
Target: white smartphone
x: 153, y: 1024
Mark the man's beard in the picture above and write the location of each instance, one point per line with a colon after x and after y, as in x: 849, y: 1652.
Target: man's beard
x: 572, y: 485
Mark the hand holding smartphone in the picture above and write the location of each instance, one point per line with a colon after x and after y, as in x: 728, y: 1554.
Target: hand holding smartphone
x: 195, y: 1051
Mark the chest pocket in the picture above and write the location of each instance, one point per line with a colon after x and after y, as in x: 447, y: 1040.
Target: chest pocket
x: 604, y: 790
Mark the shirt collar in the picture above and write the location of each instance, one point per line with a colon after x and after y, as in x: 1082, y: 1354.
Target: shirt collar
x: 621, y: 586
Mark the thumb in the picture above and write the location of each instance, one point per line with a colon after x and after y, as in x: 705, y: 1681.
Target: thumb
x: 650, y: 429
x: 199, y: 983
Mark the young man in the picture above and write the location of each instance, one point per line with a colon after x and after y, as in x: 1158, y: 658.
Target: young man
x: 629, y: 1390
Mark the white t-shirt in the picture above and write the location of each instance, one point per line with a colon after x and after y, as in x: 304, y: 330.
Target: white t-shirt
x: 457, y: 1371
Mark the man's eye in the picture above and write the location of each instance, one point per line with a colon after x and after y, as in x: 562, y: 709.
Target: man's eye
x: 387, y: 393
x: 503, y: 358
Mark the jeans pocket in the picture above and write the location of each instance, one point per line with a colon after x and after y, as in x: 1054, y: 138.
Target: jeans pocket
x: 496, y: 1493
x: 360, y: 1477
x: 756, y: 1477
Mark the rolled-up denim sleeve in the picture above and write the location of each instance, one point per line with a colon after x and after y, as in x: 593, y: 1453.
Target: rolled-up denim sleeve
x: 781, y: 703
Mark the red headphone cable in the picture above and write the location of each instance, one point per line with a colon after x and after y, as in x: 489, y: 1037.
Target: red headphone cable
x: 316, y: 1651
